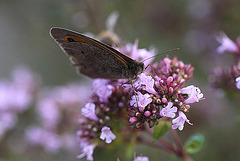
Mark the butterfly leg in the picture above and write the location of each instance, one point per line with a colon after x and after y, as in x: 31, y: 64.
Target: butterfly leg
x: 131, y: 82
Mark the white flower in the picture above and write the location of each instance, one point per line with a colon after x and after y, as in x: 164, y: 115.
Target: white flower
x: 102, y: 88
x: 141, y: 101
x: 226, y: 44
x: 179, y: 121
x: 87, y: 150
x: 89, y: 111
x: 238, y: 82
x: 146, y: 83
x: 107, y: 134
x: 194, y: 94
x: 141, y: 158
x: 168, y: 111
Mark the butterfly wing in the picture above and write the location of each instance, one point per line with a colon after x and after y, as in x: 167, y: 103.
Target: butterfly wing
x: 92, y: 57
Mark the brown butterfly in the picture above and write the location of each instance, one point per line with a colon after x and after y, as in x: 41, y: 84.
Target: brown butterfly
x: 96, y: 59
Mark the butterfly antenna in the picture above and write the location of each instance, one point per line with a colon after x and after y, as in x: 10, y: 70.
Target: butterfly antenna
x: 161, y: 54
x: 131, y: 82
x: 124, y: 87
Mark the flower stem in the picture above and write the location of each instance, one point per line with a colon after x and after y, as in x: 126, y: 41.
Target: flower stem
x: 180, y: 150
x: 165, y: 144
x: 176, y: 139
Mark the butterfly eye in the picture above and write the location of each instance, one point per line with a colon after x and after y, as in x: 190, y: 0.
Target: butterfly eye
x: 70, y: 39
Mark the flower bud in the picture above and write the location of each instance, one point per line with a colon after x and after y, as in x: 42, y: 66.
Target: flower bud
x: 164, y: 100
x: 169, y: 80
x: 170, y: 91
x: 132, y: 119
x: 147, y: 113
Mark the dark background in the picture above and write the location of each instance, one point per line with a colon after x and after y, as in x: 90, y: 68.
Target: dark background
x: 190, y: 25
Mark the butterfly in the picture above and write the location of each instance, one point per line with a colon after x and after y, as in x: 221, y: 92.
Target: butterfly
x: 94, y: 58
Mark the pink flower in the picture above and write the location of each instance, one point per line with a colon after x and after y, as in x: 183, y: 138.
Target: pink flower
x: 133, y: 119
x: 102, y: 89
x: 8, y: 91
x: 79, y: 94
x: 167, y: 65
x: 141, y: 158
x: 141, y: 101
x: 7, y: 121
x: 20, y: 90
x: 139, y: 54
x: 39, y: 136
x: 49, y: 112
x: 89, y: 111
x: 87, y: 150
x: 238, y: 82
x: 107, y: 134
x: 168, y: 111
x: 194, y: 94
x: 146, y: 83
x: 179, y: 121
x: 25, y: 79
x: 15, y: 97
x: 226, y: 44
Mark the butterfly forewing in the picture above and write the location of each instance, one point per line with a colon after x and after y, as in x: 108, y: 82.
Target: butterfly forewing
x: 84, y: 58
x: 93, y: 58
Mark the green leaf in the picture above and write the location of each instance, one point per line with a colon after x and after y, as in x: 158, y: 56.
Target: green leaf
x: 194, y: 143
x: 161, y: 129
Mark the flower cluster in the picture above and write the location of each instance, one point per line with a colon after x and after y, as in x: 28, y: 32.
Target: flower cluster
x: 15, y: 97
x: 98, y: 116
x: 138, y: 54
x: 155, y: 94
x: 160, y: 93
x: 141, y: 158
x: 57, y: 110
x: 107, y: 108
x: 235, y: 72
x: 227, y: 45
x: 227, y: 78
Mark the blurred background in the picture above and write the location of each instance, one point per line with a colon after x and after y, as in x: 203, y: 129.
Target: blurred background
x: 190, y: 25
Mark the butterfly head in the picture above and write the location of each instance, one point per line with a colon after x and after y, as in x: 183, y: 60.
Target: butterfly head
x: 136, y: 68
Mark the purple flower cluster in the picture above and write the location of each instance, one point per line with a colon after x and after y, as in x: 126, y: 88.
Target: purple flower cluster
x: 235, y: 73
x: 138, y: 54
x: 98, y: 116
x: 157, y: 93
x: 15, y: 97
x: 107, y: 108
x: 57, y: 110
x: 227, y: 78
x: 227, y: 45
x: 160, y: 93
